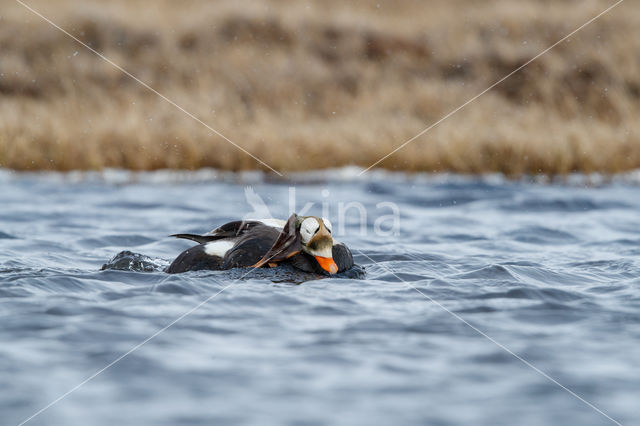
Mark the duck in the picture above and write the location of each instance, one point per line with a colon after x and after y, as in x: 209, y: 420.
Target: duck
x: 304, y: 242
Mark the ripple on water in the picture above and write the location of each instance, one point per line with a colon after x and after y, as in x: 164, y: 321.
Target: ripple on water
x: 551, y: 295
x: 491, y: 272
x: 117, y: 241
x: 561, y: 205
x: 541, y: 235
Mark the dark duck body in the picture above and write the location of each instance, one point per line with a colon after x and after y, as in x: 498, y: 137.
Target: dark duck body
x: 303, y: 242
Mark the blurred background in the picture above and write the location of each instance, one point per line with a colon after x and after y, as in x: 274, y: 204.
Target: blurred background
x: 315, y: 84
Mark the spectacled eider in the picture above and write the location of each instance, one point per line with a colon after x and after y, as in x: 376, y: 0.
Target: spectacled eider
x: 303, y: 242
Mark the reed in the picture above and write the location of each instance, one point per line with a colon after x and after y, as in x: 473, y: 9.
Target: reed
x: 309, y: 85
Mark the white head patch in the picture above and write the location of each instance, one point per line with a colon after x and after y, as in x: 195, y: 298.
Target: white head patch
x: 308, y: 228
x: 327, y: 224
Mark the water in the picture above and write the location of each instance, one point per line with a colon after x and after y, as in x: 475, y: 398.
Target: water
x: 551, y: 272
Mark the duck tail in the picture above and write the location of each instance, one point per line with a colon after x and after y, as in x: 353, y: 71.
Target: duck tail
x: 201, y: 239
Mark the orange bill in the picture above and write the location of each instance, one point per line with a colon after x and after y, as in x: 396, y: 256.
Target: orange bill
x: 327, y: 264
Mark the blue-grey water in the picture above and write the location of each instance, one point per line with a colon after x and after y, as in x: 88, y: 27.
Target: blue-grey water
x: 550, y: 272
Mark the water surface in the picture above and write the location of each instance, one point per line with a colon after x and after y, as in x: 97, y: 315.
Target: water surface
x: 549, y: 271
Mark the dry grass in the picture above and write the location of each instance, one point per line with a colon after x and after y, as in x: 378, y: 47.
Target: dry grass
x: 308, y: 85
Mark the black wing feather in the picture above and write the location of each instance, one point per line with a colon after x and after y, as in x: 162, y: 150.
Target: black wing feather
x: 201, y: 239
x: 228, y: 230
x: 235, y: 228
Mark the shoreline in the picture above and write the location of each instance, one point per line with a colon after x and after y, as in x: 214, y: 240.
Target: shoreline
x: 335, y: 175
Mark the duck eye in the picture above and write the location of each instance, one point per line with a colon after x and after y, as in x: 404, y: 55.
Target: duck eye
x: 308, y: 228
x: 327, y: 224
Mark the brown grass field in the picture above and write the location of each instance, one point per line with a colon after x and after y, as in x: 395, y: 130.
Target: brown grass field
x: 317, y: 84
